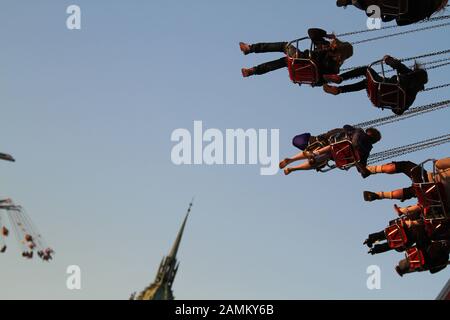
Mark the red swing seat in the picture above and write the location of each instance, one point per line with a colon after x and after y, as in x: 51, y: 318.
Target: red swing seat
x: 395, y: 8
x: 396, y: 236
x: 416, y: 259
x: 385, y: 95
x: 302, y: 70
x: 432, y: 197
x: 344, y: 155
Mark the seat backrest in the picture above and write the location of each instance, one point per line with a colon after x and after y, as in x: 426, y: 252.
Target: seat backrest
x: 432, y: 198
x: 396, y: 236
x: 415, y: 258
x: 343, y: 154
x: 372, y: 89
x: 384, y: 94
x: 303, y: 71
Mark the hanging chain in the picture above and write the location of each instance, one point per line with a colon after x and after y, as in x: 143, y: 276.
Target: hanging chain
x: 434, y: 19
x: 437, y: 87
x: 413, y: 112
x: 401, y: 33
x: 411, y: 148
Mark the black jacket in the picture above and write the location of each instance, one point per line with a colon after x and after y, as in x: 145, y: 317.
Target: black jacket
x: 407, y: 79
x: 323, y: 56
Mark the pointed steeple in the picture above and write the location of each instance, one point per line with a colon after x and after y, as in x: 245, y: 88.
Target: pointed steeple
x: 176, y: 245
x: 161, y: 289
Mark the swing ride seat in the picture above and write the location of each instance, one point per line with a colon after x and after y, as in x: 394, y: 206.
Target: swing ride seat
x: 383, y: 94
x: 415, y: 258
x: 395, y: 8
x: 302, y: 70
x: 396, y: 236
x: 343, y: 153
x: 432, y: 197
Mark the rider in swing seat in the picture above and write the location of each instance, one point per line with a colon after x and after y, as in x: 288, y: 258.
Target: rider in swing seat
x: 362, y: 142
x: 414, y: 230
x: 417, y: 10
x: 412, y: 81
x: 435, y: 259
x: 329, y: 57
x: 415, y: 173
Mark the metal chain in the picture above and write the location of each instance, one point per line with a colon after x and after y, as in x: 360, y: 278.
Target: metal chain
x: 438, y: 66
x: 426, y: 55
x: 413, y: 112
x: 401, y: 33
x: 411, y: 148
x: 434, y: 19
x: 437, y: 87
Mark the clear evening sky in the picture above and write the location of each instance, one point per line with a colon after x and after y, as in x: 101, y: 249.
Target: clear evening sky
x: 88, y: 115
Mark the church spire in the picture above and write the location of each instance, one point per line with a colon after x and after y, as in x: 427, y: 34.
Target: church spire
x: 161, y: 289
x: 176, y: 245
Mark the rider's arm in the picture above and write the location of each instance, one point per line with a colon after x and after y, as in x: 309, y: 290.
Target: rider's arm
x: 396, y: 64
x: 318, y: 36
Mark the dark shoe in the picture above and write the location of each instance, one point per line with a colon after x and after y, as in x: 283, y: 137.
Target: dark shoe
x: 370, y: 196
x: 399, y: 271
x: 334, y: 78
x: 343, y: 3
x: 331, y: 90
x: 368, y: 243
x: 248, y: 72
x: 245, y: 48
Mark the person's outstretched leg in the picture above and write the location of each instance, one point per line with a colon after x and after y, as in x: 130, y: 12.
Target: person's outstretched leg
x: 314, y: 157
x: 355, y: 73
x: 287, y: 161
x: 263, y: 47
x: 375, y: 237
x: 408, y: 168
x: 304, y: 166
x: 301, y: 142
x: 399, y: 194
x: 410, y: 211
x: 380, y: 248
x: 265, y: 68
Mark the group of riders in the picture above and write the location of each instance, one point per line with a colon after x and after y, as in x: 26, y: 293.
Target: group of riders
x: 29, y: 241
x: 422, y: 230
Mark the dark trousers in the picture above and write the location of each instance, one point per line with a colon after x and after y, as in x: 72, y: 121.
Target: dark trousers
x: 412, y: 171
x: 281, y: 47
x: 355, y: 73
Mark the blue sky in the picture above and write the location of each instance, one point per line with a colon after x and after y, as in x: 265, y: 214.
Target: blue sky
x: 88, y: 115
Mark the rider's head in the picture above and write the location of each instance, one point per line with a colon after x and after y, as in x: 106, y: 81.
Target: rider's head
x: 374, y: 135
x: 343, y: 50
x: 420, y: 75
